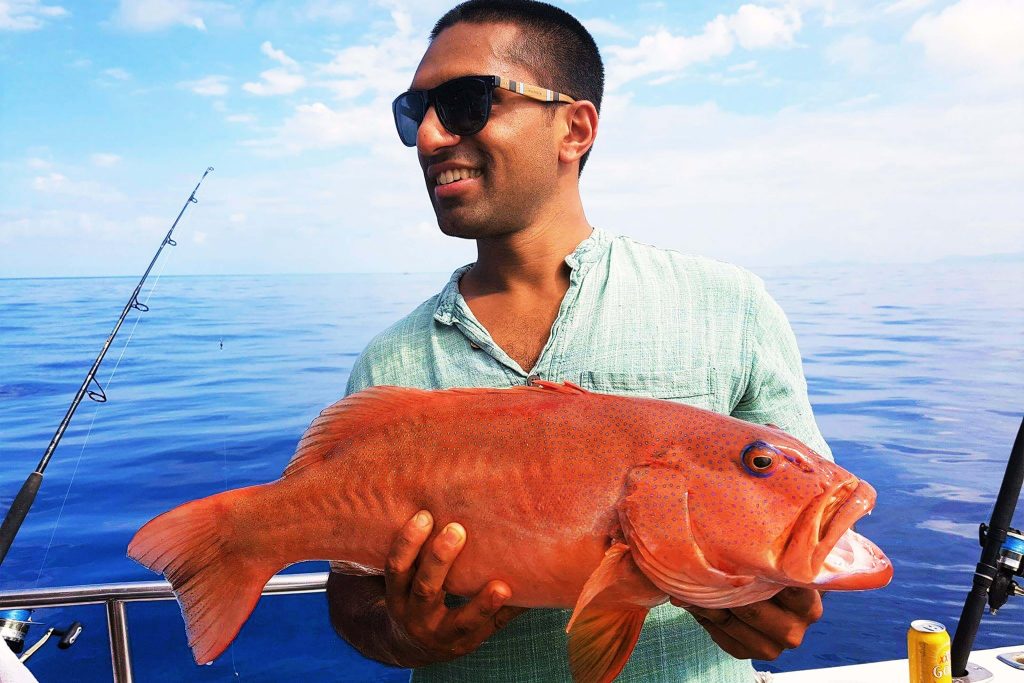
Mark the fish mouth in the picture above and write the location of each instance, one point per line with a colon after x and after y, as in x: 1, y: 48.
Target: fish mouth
x: 828, y: 554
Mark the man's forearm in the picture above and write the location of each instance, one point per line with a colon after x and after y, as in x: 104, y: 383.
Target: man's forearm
x: 360, y: 616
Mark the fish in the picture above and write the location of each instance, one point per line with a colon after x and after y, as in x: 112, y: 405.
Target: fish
x: 609, y: 505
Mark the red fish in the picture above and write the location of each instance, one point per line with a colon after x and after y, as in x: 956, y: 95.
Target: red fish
x: 605, y: 504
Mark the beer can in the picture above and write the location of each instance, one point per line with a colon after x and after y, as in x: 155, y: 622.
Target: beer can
x: 928, y: 652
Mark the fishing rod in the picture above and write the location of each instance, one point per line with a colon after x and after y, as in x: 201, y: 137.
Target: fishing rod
x: 1001, y: 560
x: 27, y: 495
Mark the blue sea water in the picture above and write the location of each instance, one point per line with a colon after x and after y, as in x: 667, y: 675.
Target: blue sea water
x: 916, y: 375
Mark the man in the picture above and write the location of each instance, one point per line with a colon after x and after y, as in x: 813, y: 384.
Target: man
x: 550, y: 296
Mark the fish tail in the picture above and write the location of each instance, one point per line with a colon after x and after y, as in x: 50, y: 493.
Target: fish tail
x: 216, y: 579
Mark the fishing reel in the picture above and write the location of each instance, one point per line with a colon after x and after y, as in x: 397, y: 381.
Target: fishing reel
x: 14, y: 626
x: 1009, y: 564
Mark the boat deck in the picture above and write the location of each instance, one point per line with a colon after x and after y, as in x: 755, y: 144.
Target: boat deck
x: 895, y: 671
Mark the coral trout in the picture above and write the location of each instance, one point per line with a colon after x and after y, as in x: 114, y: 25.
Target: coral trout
x: 604, y: 504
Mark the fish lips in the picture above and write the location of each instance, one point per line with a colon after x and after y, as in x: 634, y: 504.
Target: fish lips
x: 827, y: 554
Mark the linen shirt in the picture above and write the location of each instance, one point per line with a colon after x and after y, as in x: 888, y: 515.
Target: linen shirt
x: 635, y: 320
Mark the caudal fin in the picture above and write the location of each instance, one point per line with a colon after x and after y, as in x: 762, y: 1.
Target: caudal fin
x: 217, y: 583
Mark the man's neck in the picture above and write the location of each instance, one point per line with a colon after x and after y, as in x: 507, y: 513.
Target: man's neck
x: 530, y: 259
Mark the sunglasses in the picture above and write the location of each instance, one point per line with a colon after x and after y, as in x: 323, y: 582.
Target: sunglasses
x: 463, y: 104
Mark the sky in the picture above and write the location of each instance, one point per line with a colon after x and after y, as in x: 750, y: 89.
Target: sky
x: 780, y: 132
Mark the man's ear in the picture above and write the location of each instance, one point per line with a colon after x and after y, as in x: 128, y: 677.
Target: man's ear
x: 580, y: 129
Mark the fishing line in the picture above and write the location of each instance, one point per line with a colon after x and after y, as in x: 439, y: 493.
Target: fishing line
x: 22, y: 503
x: 224, y: 472
x: 95, y: 412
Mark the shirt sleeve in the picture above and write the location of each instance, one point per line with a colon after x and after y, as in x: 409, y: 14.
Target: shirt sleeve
x: 776, y: 391
x: 359, y: 378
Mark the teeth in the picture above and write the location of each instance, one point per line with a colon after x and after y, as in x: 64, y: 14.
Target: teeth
x: 458, y: 174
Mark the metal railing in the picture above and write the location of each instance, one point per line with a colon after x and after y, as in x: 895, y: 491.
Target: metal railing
x: 116, y: 595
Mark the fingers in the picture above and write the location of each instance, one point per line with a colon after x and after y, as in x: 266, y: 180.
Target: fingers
x: 804, y: 602
x: 427, y: 588
x: 482, y: 616
x: 401, y: 559
x: 762, y: 630
x: 728, y: 643
x: 758, y: 631
x: 415, y: 572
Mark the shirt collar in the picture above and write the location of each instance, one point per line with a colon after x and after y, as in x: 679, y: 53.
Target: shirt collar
x: 585, y: 255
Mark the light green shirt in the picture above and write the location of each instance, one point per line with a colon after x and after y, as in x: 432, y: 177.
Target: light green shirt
x: 635, y: 320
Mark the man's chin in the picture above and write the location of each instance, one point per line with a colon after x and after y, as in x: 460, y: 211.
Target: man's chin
x: 454, y: 226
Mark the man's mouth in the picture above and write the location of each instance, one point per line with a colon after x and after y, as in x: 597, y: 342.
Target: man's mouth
x: 454, y: 175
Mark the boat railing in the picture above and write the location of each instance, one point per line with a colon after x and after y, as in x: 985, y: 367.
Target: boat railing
x: 116, y: 596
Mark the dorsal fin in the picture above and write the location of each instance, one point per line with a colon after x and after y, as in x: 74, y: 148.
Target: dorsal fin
x: 352, y: 414
x: 370, y: 407
x: 563, y: 388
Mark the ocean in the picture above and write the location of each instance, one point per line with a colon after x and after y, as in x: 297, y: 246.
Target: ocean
x: 915, y: 372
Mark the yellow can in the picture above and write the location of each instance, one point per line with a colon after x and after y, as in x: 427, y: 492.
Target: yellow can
x: 928, y: 652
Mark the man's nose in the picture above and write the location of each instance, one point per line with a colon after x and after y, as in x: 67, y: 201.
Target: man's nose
x: 432, y: 136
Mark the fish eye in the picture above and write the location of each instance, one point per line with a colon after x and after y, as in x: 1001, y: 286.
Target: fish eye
x: 761, y: 459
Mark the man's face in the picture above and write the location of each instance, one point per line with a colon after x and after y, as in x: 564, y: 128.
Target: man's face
x: 516, y: 152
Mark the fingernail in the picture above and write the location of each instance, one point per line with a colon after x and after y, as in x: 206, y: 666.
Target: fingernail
x: 453, y: 533
x: 422, y: 520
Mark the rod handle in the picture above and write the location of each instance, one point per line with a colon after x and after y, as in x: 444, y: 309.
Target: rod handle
x: 19, y: 510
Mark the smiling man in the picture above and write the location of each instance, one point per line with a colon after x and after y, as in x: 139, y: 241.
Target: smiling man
x: 503, y: 110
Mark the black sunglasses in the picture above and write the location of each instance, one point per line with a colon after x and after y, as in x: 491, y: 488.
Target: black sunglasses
x: 463, y: 104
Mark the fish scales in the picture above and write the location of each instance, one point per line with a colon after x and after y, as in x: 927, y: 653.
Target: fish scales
x: 604, y: 503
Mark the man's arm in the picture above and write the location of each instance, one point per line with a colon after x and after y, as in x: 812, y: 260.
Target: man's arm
x: 401, y: 619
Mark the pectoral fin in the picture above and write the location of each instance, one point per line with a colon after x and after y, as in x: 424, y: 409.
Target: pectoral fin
x: 601, y: 642
x: 602, y: 638
x: 608, y: 572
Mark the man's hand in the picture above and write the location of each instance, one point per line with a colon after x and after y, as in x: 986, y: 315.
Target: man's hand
x: 763, y: 629
x: 414, y: 575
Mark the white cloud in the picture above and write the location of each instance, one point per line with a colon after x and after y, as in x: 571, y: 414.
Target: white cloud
x: 118, y: 74
x: 663, y: 52
x: 153, y: 15
x: 858, y: 53
x: 207, y: 86
x: 65, y: 188
x: 276, y: 82
x: 906, y: 6
x: 908, y: 182
x: 317, y: 126
x: 382, y: 67
x: 743, y: 67
x: 27, y: 15
x: 279, y: 81
x: 752, y: 26
x: 240, y: 118
x: 759, y: 27
x: 105, y: 159
x: 37, y: 163
x: 982, y: 37
x: 375, y: 71
x: 603, y: 27
x: 329, y: 10
x: 277, y: 55
x: 51, y: 182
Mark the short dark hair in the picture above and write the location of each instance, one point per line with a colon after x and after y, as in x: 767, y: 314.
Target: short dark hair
x: 558, y: 49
